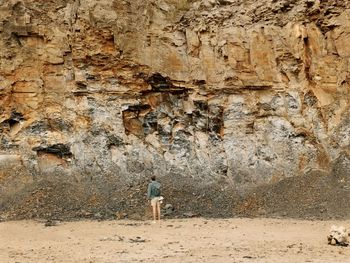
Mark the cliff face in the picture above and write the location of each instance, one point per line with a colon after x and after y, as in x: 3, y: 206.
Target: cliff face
x: 97, y: 95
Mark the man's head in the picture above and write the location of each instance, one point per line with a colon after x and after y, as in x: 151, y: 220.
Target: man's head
x: 153, y: 178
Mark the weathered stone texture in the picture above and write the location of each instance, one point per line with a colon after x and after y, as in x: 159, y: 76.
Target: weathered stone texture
x: 241, y: 92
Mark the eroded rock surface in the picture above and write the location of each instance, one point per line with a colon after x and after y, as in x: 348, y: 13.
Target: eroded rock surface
x: 213, y: 97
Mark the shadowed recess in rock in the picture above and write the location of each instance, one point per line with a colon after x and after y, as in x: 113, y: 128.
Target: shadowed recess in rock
x: 59, y: 149
x: 113, y: 140
x: 163, y: 84
x: 15, y: 118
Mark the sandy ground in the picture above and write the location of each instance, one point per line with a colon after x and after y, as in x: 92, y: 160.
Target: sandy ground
x: 180, y: 240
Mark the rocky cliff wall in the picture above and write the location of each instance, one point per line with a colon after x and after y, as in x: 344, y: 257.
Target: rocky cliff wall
x: 226, y: 95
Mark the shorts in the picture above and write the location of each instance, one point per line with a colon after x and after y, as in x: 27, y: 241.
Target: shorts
x: 156, y: 200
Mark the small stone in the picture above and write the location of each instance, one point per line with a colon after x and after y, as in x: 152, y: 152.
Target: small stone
x: 169, y: 209
x: 121, y: 215
x: 190, y: 214
x: 51, y: 223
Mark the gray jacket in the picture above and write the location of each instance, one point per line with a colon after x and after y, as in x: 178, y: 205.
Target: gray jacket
x: 153, y: 189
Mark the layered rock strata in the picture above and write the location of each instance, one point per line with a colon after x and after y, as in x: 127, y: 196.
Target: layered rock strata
x: 98, y: 95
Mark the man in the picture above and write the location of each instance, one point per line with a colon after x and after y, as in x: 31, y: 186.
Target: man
x: 153, y: 194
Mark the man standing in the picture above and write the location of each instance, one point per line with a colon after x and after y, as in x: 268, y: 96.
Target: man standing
x: 153, y: 194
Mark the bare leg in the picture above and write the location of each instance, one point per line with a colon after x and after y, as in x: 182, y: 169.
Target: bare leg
x: 158, y: 210
x: 154, y: 210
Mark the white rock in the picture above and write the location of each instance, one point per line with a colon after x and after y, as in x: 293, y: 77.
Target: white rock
x: 339, y: 234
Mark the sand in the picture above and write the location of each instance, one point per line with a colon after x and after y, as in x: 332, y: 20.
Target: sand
x: 176, y: 240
